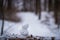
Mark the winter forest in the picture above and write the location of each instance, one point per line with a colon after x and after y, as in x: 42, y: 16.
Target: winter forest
x: 29, y: 19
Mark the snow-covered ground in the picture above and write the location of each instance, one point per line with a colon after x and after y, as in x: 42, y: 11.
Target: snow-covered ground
x: 35, y: 26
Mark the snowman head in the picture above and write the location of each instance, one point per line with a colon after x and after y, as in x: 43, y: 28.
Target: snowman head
x: 25, y: 26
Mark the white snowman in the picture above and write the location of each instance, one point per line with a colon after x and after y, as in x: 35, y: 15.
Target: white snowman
x: 24, y: 31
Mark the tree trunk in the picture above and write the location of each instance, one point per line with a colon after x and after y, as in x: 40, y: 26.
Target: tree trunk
x: 57, y: 12
x: 2, y: 16
x: 38, y: 7
x: 51, y: 5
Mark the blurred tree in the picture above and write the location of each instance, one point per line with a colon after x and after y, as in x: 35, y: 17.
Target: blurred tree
x: 51, y: 5
x: 57, y: 11
x: 9, y: 11
x: 38, y: 7
x: 2, y: 15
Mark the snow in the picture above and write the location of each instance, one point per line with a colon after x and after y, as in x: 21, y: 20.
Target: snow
x: 36, y: 28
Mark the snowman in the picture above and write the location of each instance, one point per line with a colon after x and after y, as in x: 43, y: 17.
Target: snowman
x: 24, y: 31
